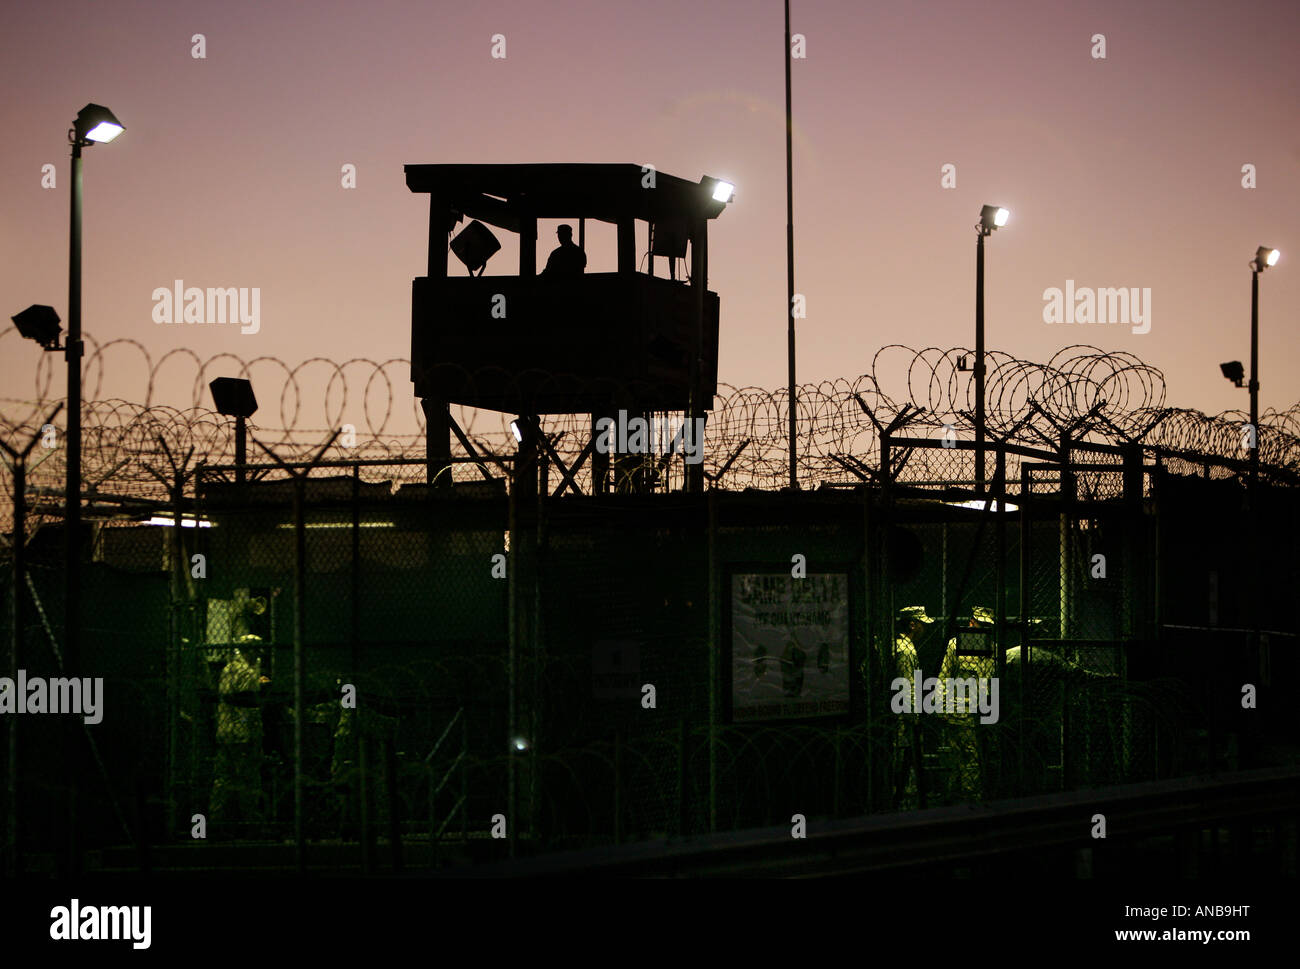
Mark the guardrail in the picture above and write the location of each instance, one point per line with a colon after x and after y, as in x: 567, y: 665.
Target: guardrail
x: 953, y: 835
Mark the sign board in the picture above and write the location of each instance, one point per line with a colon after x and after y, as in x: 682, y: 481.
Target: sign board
x: 789, y: 645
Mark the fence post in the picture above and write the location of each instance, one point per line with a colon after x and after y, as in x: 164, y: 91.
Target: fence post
x: 536, y: 655
x: 394, y: 797
x: 1026, y: 608
x: 464, y: 781
x: 299, y: 621
x: 512, y: 655
x: 19, y: 570
x: 682, y: 734
x: 354, y: 663
x: 715, y: 657
x: 991, y: 751
x: 299, y: 479
x: 618, y: 786
x: 835, y: 793
x: 11, y: 865
x: 868, y: 641
x: 885, y: 477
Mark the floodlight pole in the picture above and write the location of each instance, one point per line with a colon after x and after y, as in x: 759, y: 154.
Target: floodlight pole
x: 1253, y: 501
x: 789, y: 257
x: 72, y: 495
x: 72, y: 479
x: 1254, y: 369
x: 241, y: 448
x: 979, y: 359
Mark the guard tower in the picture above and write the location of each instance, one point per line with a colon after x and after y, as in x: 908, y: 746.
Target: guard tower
x: 536, y: 344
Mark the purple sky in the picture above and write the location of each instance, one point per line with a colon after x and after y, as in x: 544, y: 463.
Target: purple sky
x: 1119, y: 172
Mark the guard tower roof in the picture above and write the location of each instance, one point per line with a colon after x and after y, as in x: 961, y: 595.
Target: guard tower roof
x: 500, y: 194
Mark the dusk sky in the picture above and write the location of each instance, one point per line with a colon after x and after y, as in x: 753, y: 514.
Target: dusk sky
x: 1119, y: 172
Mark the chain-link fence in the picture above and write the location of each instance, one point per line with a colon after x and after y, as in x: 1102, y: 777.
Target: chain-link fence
x: 344, y: 665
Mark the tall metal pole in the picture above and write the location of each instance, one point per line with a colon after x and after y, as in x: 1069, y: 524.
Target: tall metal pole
x: 299, y: 631
x: 241, y: 448
x: 1253, y: 512
x: 1254, y: 371
x: 715, y: 625
x: 174, y: 647
x: 72, y: 501
x: 513, y: 593
x: 789, y: 255
x: 354, y: 663
x: 979, y: 361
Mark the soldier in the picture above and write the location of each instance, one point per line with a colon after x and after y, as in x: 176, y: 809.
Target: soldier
x: 566, y: 260
x: 237, y: 782
x: 912, y: 621
x: 960, y: 753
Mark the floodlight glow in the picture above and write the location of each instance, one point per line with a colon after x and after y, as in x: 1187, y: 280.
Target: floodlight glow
x: 514, y: 429
x: 104, y: 132
x: 1266, y: 256
x: 723, y: 191
x: 185, y: 522
x: 978, y: 505
x: 520, y: 743
x: 1000, y: 219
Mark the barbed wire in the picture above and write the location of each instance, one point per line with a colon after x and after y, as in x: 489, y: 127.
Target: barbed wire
x: 747, y: 430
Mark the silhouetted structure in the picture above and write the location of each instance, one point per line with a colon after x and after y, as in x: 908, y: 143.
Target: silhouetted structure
x: 557, y: 344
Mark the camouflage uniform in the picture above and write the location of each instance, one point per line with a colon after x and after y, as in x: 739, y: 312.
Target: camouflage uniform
x: 907, y: 737
x: 237, y: 782
x: 960, y: 753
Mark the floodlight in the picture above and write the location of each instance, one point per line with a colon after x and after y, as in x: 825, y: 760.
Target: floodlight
x: 668, y: 238
x: 233, y: 396
x: 39, y: 323
x: 979, y: 504
x: 1265, y: 257
x: 96, y: 123
x: 1234, y: 371
x: 187, y: 521
x: 719, y: 194
x: 475, y: 246
x: 526, y: 428
x: 993, y: 217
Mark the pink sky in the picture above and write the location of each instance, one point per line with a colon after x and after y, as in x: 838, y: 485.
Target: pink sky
x: 1119, y: 172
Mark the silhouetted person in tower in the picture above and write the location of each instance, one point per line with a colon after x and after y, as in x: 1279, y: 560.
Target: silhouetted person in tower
x: 568, y: 259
